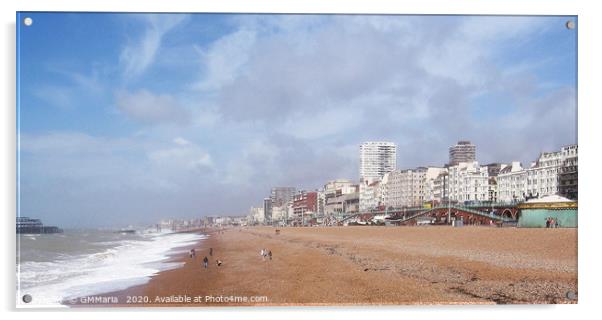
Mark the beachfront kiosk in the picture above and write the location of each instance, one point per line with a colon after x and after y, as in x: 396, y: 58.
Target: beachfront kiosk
x: 535, y: 212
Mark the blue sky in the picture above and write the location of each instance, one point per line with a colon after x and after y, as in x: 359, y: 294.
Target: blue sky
x: 127, y: 118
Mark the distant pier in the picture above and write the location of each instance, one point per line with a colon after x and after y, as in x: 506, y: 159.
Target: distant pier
x: 27, y: 225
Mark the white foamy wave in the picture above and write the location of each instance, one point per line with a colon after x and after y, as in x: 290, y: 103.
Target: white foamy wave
x: 129, y: 263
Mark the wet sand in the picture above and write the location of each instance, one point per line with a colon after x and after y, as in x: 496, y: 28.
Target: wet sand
x: 369, y: 266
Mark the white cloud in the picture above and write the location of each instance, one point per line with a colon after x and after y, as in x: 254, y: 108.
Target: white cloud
x: 75, y: 155
x: 136, y: 57
x: 181, y: 141
x: 466, y: 51
x: 59, y: 141
x: 78, y: 87
x: 328, y: 122
x: 409, y: 79
x: 256, y: 158
x: 181, y: 161
x: 223, y: 59
x: 89, y: 83
x: 501, y: 28
x: 58, y: 96
x: 147, y: 107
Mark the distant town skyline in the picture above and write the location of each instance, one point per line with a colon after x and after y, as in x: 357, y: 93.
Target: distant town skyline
x: 130, y: 118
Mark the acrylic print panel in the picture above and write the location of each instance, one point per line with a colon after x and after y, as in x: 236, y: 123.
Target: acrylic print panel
x: 273, y: 159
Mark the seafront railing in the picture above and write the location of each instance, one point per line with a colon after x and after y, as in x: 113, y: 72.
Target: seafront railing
x: 426, y: 211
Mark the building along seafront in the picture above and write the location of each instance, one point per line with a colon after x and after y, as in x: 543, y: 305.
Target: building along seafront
x: 305, y: 207
x: 377, y: 158
x: 463, y: 151
x: 341, y: 197
x: 382, y: 188
x: 256, y: 215
x: 468, y: 181
x: 410, y: 187
x: 542, y: 178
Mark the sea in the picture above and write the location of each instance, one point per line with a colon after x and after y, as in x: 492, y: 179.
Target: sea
x: 53, y: 268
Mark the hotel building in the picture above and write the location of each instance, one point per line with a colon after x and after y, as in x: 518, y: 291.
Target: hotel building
x: 552, y: 173
x: 468, y: 181
x: 463, y: 151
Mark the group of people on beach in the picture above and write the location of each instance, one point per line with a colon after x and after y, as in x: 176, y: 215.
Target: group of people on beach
x: 551, y: 223
x: 265, y: 254
x: 218, y: 262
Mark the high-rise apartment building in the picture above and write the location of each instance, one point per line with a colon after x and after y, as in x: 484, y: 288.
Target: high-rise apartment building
x: 376, y: 159
x: 282, y: 195
x: 267, y: 210
x: 463, y: 151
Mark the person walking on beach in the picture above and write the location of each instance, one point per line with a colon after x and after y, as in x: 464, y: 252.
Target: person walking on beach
x: 205, y: 262
x: 547, y: 222
x: 270, y: 254
x: 192, y: 253
x: 211, y: 251
x: 262, y: 254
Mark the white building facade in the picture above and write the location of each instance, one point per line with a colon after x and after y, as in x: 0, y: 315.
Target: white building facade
x: 516, y: 184
x: 339, y: 187
x: 440, y: 187
x: 256, y: 215
x: 511, y: 182
x: 430, y: 176
x: 409, y: 188
x: 369, y: 195
x: 376, y: 159
x: 468, y: 181
x: 280, y: 214
x: 340, y: 196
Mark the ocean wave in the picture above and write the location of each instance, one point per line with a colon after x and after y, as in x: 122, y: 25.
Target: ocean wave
x: 127, y: 263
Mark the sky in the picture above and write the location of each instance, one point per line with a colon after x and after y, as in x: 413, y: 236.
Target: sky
x: 130, y: 118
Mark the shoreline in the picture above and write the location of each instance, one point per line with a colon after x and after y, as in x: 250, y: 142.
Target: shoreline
x: 355, y: 266
x: 174, y: 255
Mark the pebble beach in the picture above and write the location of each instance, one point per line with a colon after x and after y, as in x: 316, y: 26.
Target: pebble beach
x: 325, y: 266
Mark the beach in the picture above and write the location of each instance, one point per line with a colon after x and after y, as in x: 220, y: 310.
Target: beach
x: 365, y: 266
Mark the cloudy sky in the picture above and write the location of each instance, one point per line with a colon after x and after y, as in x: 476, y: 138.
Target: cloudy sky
x: 128, y: 118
